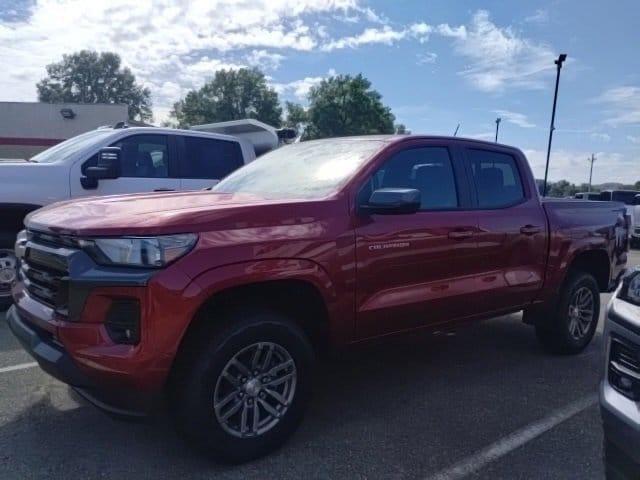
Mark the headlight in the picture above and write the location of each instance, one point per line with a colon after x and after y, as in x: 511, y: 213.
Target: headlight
x: 150, y: 252
x: 630, y: 288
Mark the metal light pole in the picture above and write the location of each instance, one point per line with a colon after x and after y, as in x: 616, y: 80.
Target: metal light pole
x: 497, y: 127
x: 592, y: 159
x: 561, y: 58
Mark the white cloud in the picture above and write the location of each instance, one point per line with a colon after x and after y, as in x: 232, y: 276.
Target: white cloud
x: 300, y: 88
x: 170, y: 48
x: 634, y: 139
x: 601, y: 137
x: 426, y: 58
x: 499, y: 58
x: 573, y: 165
x: 622, y: 105
x: 519, y: 119
x: 541, y: 15
x: 384, y: 35
x: 265, y: 60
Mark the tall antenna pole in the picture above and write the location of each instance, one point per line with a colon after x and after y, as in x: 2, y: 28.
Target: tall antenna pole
x: 498, y: 120
x: 591, y: 160
x: 456, y: 132
x: 558, y: 62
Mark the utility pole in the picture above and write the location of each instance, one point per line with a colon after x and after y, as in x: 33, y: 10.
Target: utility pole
x: 561, y: 58
x: 498, y: 120
x: 591, y: 160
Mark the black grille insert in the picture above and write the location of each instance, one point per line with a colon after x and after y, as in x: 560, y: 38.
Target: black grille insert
x: 624, y: 367
x: 46, y: 277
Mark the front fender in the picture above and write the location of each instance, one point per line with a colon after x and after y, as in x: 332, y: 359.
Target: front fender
x: 218, y: 279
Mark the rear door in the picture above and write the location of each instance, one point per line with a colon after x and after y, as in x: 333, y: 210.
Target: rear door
x: 206, y: 161
x: 416, y: 269
x: 512, y: 226
x: 147, y: 164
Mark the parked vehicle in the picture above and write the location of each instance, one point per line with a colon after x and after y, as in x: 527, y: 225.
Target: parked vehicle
x: 629, y: 198
x: 595, y: 196
x: 620, y: 388
x: 634, y: 213
x: 150, y: 159
x: 220, y: 301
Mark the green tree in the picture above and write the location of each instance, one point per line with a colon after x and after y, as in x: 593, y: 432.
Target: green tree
x: 230, y: 95
x: 401, y: 129
x: 92, y: 77
x: 296, y: 116
x: 345, y: 105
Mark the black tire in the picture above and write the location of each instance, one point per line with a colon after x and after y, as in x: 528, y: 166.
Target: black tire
x: 617, y: 465
x: 555, y: 335
x: 7, y: 240
x: 192, y: 393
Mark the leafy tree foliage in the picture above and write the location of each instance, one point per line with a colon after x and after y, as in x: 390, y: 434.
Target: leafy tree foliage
x: 296, y: 116
x: 230, y: 95
x: 92, y: 77
x: 344, y: 105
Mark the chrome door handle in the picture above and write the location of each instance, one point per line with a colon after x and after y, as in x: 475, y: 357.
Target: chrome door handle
x: 460, y: 234
x: 530, y: 230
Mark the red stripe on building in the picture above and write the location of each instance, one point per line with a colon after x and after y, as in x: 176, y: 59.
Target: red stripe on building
x: 30, y: 142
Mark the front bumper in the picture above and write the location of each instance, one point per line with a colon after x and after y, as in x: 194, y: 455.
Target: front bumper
x: 56, y: 361
x: 620, y: 414
x: 65, y: 313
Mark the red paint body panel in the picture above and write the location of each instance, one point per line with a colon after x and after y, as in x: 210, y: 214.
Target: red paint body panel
x: 377, y: 274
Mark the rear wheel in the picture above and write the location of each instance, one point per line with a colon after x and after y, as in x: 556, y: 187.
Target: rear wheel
x: 245, y: 390
x: 576, y: 318
x: 7, y: 269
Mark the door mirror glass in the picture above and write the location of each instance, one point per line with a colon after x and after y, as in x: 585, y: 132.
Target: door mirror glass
x: 108, y: 165
x: 393, y: 201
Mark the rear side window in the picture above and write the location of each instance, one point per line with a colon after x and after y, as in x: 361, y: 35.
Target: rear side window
x: 427, y: 169
x: 496, y: 178
x: 209, y: 158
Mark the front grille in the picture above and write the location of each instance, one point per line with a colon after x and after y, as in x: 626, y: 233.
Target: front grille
x: 624, y: 367
x: 45, y: 275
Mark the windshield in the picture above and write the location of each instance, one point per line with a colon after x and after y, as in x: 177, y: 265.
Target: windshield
x: 627, y: 197
x: 306, y: 170
x: 61, y: 150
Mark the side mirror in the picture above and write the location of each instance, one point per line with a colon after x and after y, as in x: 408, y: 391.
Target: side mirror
x: 636, y: 200
x: 108, y: 166
x: 393, y: 201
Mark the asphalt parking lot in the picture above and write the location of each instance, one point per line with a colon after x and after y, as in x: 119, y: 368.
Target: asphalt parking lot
x: 485, y: 401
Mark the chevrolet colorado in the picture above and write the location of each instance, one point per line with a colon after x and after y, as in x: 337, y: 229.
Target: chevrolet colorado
x: 217, y: 302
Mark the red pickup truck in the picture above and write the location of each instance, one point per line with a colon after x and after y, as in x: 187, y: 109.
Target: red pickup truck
x: 216, y: 303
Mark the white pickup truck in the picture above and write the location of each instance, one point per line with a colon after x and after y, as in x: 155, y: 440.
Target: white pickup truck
x: 117, y: 160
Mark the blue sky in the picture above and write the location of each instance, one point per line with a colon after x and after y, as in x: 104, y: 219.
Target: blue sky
x: 436, y: 63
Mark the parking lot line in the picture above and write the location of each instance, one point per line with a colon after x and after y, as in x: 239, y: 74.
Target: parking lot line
x: 20, y: 366
x: 515, y: 440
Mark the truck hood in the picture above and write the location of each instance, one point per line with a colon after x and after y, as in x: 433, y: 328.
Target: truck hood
x: 159, y: 213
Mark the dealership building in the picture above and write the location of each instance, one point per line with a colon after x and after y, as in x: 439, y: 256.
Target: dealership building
x: 27, y: 128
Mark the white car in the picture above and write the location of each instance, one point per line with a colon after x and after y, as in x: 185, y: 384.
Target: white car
x: 108, y: 161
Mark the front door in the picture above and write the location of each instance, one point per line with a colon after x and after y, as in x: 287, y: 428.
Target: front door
x: 416, y: 269
x: 146, y: 166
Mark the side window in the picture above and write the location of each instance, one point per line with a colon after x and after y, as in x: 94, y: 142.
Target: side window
x: 427, y: 169
x: 496, y: 178
x: 211, y: 159
x: 143, y: 156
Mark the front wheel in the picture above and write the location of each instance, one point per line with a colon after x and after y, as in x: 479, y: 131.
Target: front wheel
x: 245, y: 390
x: 576, y: 318
x: 8, y: 265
